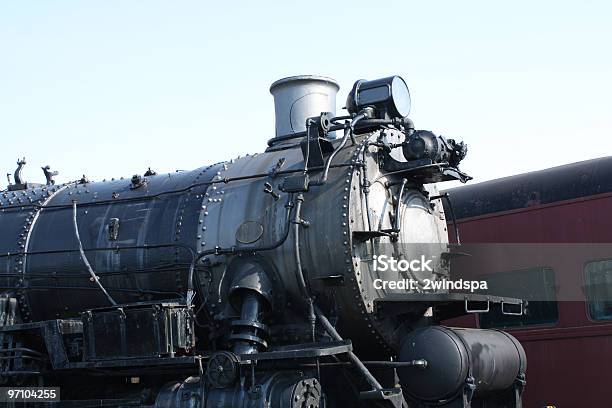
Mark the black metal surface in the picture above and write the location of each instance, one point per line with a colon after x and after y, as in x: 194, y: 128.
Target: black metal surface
x: 423, y: 144
x: 258, y: 266
x: 290, y: 390
x: 222, y: 369
x: 248, y: 331
x: 490, y: 360
x: 445, y: 305
x: 389, y: 96
x: 137, y: 365
x: 137, y: 331
x: 49, y: 175
x: 571, y: 181
x: 160, y: 230
x: 308, y: 350
x: 315, y: 147
x: 20, y: 183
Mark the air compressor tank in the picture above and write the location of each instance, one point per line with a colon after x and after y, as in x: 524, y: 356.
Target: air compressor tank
x: 458, y: 359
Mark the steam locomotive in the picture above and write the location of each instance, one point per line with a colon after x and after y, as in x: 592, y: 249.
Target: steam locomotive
x: 250, y: 282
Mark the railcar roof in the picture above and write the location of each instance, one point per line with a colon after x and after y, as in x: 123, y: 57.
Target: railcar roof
x: 570, y: 181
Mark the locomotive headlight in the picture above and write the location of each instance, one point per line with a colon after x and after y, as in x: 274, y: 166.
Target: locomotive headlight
x: 388, y: 96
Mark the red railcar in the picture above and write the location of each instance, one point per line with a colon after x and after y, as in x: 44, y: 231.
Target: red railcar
x: 561, y: 221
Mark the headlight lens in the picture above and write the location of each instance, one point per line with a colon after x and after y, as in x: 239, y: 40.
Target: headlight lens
x: 389, y: 96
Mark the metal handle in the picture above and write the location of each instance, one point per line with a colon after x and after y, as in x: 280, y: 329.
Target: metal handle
x: 270, y: 190
x: 510, y: 313
x: 468, y: 310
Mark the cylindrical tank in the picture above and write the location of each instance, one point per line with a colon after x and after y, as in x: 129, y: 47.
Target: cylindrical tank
x: 493, y: 358
x: 141, y: 237
x: 300, y: 97
x: 139, y: 241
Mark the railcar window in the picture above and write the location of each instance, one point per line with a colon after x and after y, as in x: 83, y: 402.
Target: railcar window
x: 536, y: 285
x: 598, y: 278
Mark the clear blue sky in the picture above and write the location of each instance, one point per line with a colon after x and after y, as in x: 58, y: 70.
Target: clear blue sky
x: 109, y: 88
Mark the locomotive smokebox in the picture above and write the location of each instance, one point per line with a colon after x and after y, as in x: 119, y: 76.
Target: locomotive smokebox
x: 300, y: 97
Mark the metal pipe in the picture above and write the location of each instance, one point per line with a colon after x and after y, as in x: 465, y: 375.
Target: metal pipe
x: 422, y: 364
x: 348, y: 132
x: 366, y: 191
x: 426, y: 166
x: 140, y: 291
x: 352, y: 356
x: 250, y: 310
x: 307, y: 158
x: 325, y: 174
x: 21, y: 350
x: 399, y: 206
x: 296, y: 246
x: 94, y: 277
x: 299, y: 271
x: 115, y: 248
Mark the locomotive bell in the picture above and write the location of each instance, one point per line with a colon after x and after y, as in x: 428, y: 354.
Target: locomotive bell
x: 298, y: 98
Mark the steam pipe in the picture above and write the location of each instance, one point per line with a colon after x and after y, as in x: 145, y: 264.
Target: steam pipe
x: 297, y: 222
x: 399, y: 205
x: 348, y: 131
x: 94, y: 277
x: 296, y: 246
x: 249, y: 320
x: 421, y: 364
x: 352, y: 356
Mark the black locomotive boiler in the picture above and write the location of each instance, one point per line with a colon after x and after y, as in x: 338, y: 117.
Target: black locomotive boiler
x: 251, y: 282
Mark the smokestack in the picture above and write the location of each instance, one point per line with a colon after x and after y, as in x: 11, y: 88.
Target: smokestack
x: 300, y: 97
